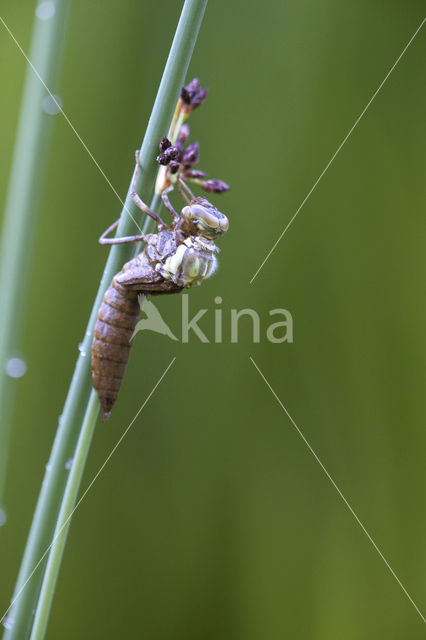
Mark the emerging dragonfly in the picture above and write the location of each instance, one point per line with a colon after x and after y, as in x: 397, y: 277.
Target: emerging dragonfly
x: 178, y: 256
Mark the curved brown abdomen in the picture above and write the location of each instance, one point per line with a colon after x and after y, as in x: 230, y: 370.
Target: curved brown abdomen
x: 117, y: 318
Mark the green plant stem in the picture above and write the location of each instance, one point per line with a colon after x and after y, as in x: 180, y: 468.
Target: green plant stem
x: 53, y: 487
x: 23, y: 203
x: 64, y: 519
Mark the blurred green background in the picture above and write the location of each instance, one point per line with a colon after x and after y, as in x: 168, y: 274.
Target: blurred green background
x: 213, y: 519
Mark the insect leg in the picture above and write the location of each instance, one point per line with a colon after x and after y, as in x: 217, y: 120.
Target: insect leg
x: 184, y: 196
x: 139, y: 203
x: 124, y: 240
x: 187, y: 189
x: 168, y: 204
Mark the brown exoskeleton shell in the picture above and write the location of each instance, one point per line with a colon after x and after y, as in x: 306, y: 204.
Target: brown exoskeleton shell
x: 117, y: 319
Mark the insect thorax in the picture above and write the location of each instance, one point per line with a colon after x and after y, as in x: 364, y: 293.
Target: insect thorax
x: 186, y: 264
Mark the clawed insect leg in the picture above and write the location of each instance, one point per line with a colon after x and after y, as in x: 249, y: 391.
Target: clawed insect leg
x: 168, y: 204
x: 139, y: 203
x: 124, y: 240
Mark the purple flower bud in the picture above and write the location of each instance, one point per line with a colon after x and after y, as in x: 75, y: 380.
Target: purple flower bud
x: 192, y: 95
x: 193, y: 174
x: 215, y: 186
x: 164, y: 144
x: 198, y: 98
x: 188, y: 91
x: 169, y: 154
x: 183, y: 133
x: 174, y: 166
x: 191, y: 154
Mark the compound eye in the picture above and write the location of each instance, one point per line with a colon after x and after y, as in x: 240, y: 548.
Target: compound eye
x: 224, y: 224
x: 198, y: 211
x: 202, y: 216
x: 210, y: 221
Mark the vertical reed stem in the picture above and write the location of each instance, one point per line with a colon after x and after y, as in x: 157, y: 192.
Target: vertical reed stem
x: 62, y: 527
x: 52, y: 492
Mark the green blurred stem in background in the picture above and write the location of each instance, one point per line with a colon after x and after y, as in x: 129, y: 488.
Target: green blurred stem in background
x: 80, y: 401
x: 23, y: 205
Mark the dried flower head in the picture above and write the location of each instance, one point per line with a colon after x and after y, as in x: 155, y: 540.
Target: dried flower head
x: 174, y: 167
x: 178, y: 159
x: 183, y: 134
x: 192, y: 95
x: 194, y: 174
x: 165, y: 143
x: 169, y: 154
x: 191, y: 154
x: 214, y: 186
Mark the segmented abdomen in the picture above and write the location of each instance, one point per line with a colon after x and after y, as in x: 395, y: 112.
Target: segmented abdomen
x: 117, y: 318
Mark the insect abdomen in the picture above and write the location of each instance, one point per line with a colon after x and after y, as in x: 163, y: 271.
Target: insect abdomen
x: 117, y: 318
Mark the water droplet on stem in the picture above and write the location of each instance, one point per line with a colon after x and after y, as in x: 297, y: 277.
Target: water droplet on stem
x: 15, y: 367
